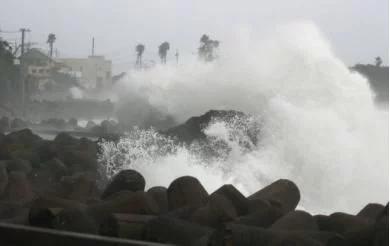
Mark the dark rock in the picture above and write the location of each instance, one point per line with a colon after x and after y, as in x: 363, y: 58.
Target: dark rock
x: 23, y: 137
x: 296, y: 220
x: 159, y: 194
x: 64, y: 139
x: 324, y: 237
x: 56, y: 167
x: 56, y: 202
x: 4, y: 124
x: 371, y: 211
x: 192, y: 129
x: 261, y: 218
x: 169, y: 230
x: 18, y: 165
x: 218, y: 210
x: 341, y: 222
x: 42, y: 217
x: 282, y: 191
x: 186, y: 191
x: 47, y: 150
x: 132, y: 226
x: 245, y: 235
x: 3, y: 178
x: 127, y: 202
x: 27, y: 154
x: 9, y: 210
x: 81, y: 186
x: 255, y: 205
x: 129, y: 180
x: 2, y: 137
x: 75, y: 220
x: 183, y: 213
x: 239, y: 201
x: 19, y: 188
x: 46, y: 180
x: 79, y: 161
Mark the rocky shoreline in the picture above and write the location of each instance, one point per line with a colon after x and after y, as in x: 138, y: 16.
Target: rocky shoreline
x: 54, y: 184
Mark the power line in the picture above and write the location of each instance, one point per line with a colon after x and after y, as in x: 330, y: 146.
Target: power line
x: 2, y: 31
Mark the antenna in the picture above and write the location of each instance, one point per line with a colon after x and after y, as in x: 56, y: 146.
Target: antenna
x: 93, y: 46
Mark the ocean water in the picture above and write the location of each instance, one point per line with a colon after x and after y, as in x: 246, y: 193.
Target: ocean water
x: 316, y: 121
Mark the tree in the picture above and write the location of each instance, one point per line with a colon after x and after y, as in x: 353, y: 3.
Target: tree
x: 8, y: 71
x: 163, y: 51
x: 140, y: 48
x: 378, y: 61
x: 50, y: 40
x: 207, y: 49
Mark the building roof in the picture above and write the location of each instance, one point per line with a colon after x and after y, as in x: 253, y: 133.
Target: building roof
x: 35, y: 56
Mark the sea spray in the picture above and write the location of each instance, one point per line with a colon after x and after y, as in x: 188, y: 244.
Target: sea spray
x: 318, y: 124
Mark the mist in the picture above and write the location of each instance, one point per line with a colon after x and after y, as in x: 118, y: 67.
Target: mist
x: 319, y: 123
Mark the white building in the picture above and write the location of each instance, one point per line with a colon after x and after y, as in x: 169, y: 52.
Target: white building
x: 92, y: 72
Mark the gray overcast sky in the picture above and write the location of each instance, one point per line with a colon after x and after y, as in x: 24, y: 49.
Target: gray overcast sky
x: 357, y: 29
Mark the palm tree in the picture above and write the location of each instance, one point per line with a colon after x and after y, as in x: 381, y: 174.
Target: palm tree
x: 207, y: 48
x: 162, y: 52
x: 50, y: 40
x: 378, y: 61
x: 140, y: 48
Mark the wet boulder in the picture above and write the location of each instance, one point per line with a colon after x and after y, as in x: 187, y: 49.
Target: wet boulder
x: 255, y: 205
x: 64, y: 139
x: 27, y: 154
x: 159, y: 194
x: 341, y: 222
x: 75, y: 220
x: 170, y: 230
x: 46, y: 180
x: 23, y: 137
x: 261, y: 218
x: 186, y: 191
x: 283, y: 191
x: 19, y: 188
x: 4, y: 124
x: 218, y: 210
x: 79, y: 161
x: 18, y: 165
x: 126, y: 202
x: 42, y: 217
x: 81, y: 186
x: 125, y: 180
x: 371, y: 211
x: 247, y: 235
x: 3, y: 178
x: 239, y: 201
x: 296, y: 220
x: 56, y: 202
x: 47, y: 150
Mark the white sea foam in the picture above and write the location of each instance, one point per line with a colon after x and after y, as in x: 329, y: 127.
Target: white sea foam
x: 318, y: 124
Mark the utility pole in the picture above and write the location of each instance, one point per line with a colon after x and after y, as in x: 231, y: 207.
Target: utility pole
x: 23, y: 70
x: 23, y: 31
x: 177, y: 57
x: 93, y: 46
